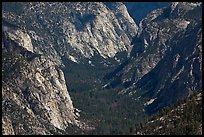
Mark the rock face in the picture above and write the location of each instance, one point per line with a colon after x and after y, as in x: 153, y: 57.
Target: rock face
x: 156, y: 32
x: 179, y: 73
x: 75, y: 30
x: 38, y: 39
x: 36, y: 36
x: 22, y: 38
x: 34, y: 93
x: 166, y: 57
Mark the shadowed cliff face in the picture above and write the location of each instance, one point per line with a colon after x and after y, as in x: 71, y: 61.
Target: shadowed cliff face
x: 166, y: 57
x: 179, y: 73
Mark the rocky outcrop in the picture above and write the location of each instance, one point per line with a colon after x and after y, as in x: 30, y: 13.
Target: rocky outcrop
x: 166, y: 57
x: 155, y: 33
x: 36, y: 36
x: 34, y: 93
x: 75, y: 30
x: 22, y: 38
x: 179, y: 73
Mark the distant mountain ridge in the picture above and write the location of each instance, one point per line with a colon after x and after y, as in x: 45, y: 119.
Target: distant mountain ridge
x: 166, y: 57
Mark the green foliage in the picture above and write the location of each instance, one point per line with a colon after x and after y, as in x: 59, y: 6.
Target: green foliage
x: 183, y: 118
x: 107, y: 112
x: 84, y: 77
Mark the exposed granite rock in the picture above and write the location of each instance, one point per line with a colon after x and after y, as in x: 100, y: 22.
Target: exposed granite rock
x: 75, y: 30
x: 36, y: 36
x: 7, y: 126
x: 166, y: 57
x: 35, y: 96
x: 155, y: 33
x: 179, y: 73
x: 19, y: 36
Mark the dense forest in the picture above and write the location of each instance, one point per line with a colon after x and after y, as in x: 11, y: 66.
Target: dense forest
x: 183, y: 118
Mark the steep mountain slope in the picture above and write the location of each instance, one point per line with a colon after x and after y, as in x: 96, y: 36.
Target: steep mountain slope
x: 54, y: 50
x: 184, y: 118
x: 35, y: 99
x: 179, y: 73
x: 139, y: 10
x: 166, y: 57
x: 41, y: 42
x: 87, y: 39
x: 74, y: 30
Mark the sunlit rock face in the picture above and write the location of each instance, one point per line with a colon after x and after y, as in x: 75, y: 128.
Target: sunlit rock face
x: 76, y: 29
x: 34, y: 92
x: 36, y: 36
x: 23, y: 39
